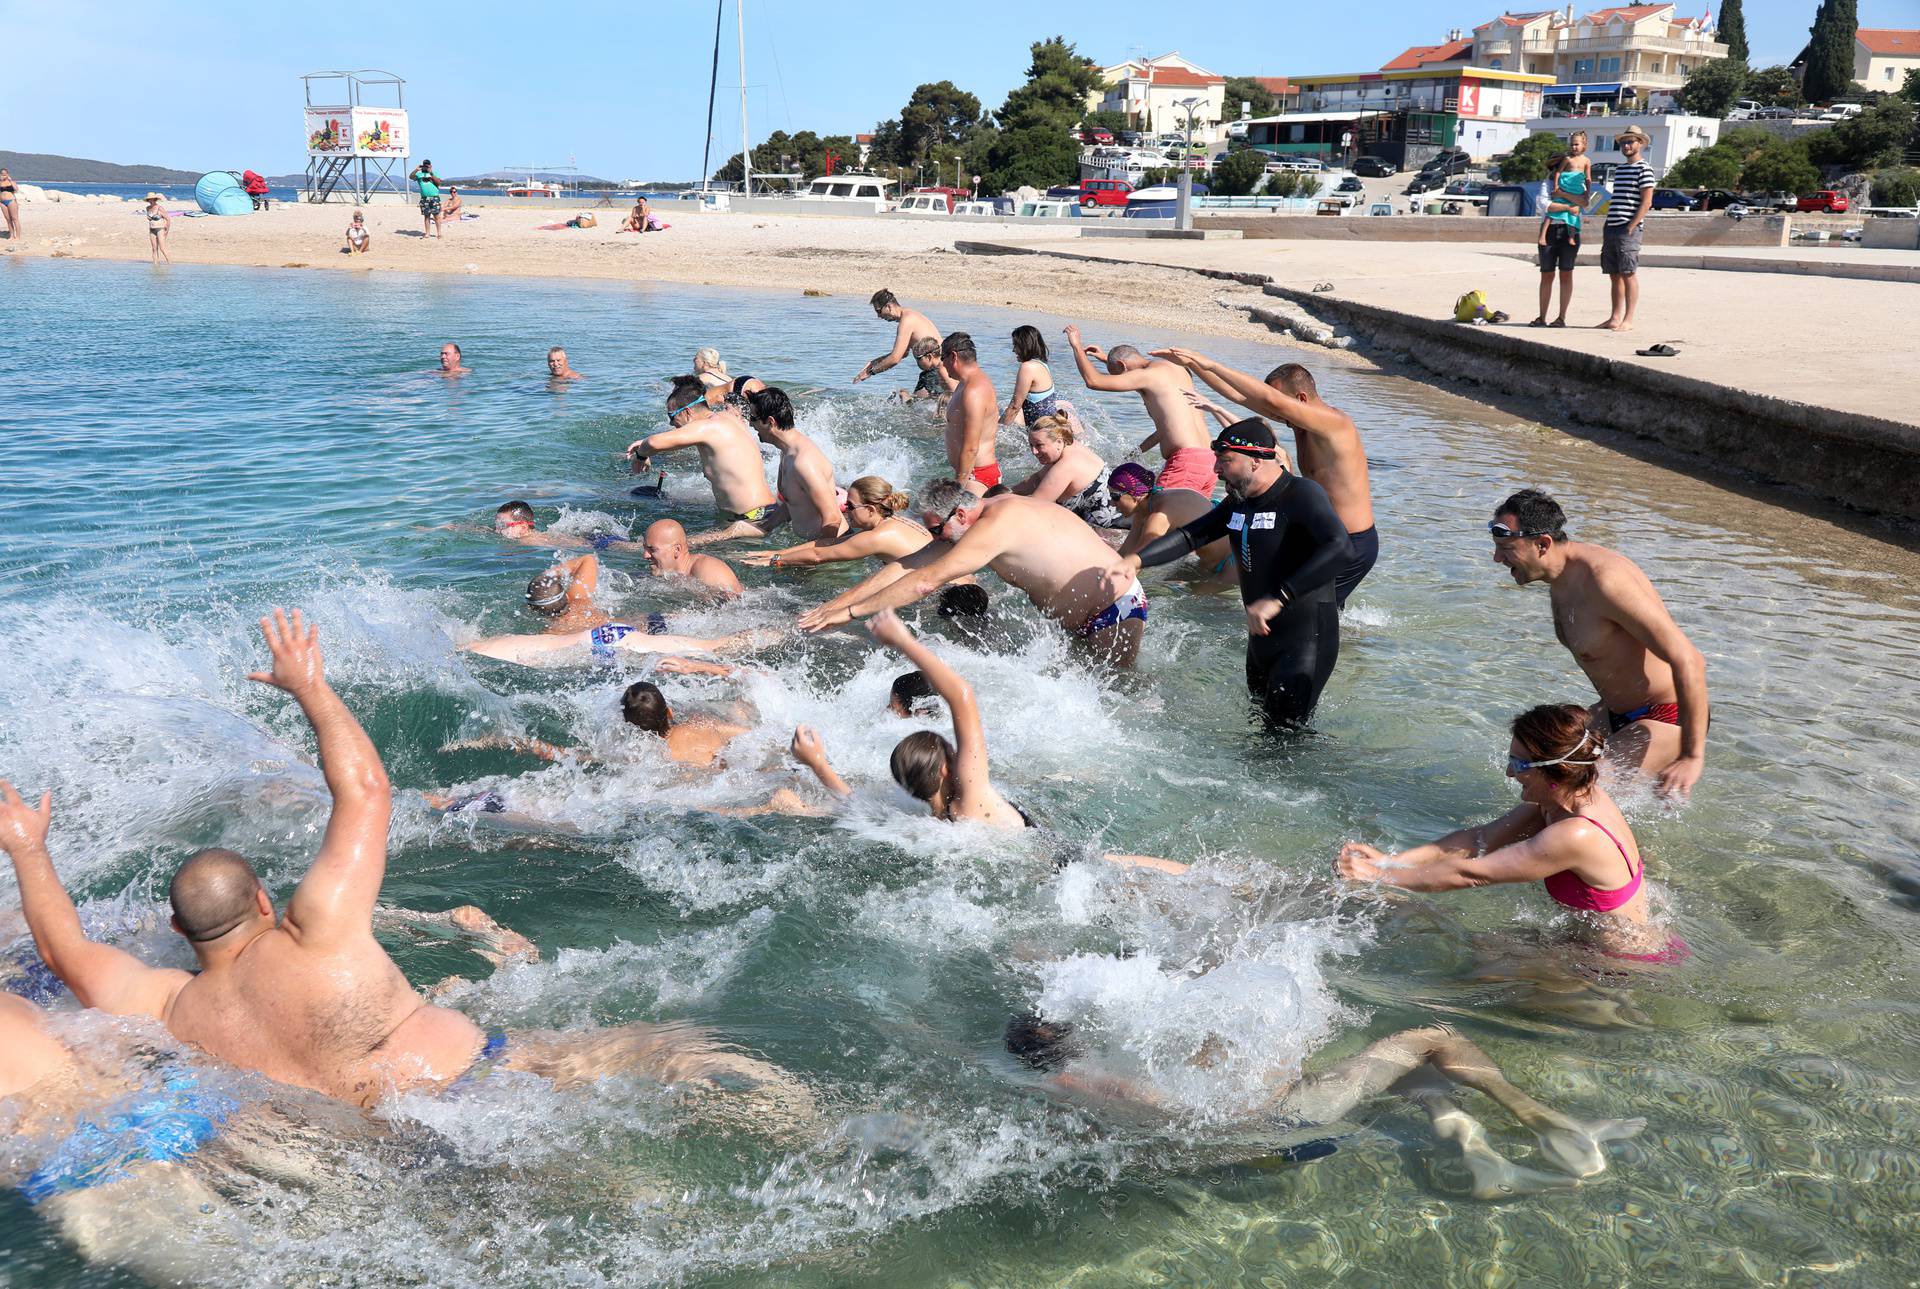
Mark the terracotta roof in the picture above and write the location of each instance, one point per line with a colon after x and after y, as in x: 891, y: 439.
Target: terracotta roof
x: 1515, y: 19
x: 1278, y: 86
x: 863, y: 138
x: 1631, y: 12
x: 1421, y: 55
x: 1180, y: 76
x: 1887, y: 42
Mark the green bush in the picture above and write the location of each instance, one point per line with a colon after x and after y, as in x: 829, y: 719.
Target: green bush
x: 1781, y: 166
x: 1527, y: 163
x: 1877, y: 137
x: 1715, y: 167
x: 1238, y: 173
x: 1895, y: 186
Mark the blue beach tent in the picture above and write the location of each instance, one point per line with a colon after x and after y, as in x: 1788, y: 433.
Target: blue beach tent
x: 220, y: 193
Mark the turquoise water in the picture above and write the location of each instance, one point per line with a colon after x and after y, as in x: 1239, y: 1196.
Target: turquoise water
x: 185, y: 448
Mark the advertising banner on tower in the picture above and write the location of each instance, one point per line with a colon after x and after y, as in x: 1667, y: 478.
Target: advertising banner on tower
x: 357, y: 132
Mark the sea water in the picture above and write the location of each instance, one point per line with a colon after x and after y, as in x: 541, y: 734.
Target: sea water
x: 186, y: 448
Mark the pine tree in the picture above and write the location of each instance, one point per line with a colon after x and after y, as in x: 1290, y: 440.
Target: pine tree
x: 1829, y: 73
x: 1733, y: 30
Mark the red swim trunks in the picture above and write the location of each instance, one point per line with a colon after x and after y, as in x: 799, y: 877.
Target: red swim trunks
x: 989, y: 475
x: 1665, y: 713
x: 1190, y: 468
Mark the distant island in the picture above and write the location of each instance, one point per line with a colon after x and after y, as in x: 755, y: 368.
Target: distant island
x: 46, y: 168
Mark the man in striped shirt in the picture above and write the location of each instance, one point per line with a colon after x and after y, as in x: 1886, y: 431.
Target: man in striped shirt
x: 1626, y: 213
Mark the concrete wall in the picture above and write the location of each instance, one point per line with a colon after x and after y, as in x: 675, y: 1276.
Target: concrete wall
x: 1661, y: 230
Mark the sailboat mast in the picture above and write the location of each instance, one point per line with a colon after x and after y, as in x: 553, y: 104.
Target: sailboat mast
x: 713, y: 88
x: 746, y: 152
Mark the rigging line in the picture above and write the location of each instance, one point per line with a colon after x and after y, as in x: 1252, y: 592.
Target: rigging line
x: 773, y: 47
x: 713, y: 87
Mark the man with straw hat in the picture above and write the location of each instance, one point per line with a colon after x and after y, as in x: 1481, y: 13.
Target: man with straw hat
x: 1632, y: 188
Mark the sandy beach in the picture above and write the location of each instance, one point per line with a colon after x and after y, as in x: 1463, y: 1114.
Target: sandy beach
x: 838, y: 256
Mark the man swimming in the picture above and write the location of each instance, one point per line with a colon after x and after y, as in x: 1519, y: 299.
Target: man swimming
x: 807, y: 494
x: 690, y: 740
x: 310, y: 997
x: 669, y: 553
x: 557, y: 368
x: 1325, y: 440
x: 1180, y: 432
x: 563, y: 595
x: 1653, y: 709
x: 1045, y: 550
x: 729, y: 453
x: 973, y: 416
x: 909, y: 325
x: 450, y: 360
x: 516, y: 522
x: 1291, y: 545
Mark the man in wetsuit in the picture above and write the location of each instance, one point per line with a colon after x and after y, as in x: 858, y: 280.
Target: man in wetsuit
x: 1290, y: 545
x: 1326, y: 443
x: 1652, y: 682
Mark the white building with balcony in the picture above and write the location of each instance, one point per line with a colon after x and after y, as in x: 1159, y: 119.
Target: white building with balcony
x: 1624, y: 57
x: 1158, y: 94
x: 1670, y: 135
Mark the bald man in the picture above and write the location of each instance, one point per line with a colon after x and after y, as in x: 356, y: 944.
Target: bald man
x: 311, y: 998
x: 667, y: 550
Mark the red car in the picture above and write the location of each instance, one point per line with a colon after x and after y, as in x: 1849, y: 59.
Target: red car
x: 1104, y: 192
x: 1832, y: 203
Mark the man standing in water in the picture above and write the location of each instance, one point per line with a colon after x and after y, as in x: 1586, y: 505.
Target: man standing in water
x: 910, y: 325
x: 557, y: 367
x: 729, y: 455
x: 1653, y: 707
x: 1045, y: 550
x: 311, y: 998
x: 1180, y: 432
x: 1326, y: 443
x: 805, y: 478
x: 973, y: 417
x: 1291, y: 544
x: 450, y: 360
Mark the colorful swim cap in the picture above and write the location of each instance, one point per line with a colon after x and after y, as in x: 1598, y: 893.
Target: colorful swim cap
x: 1131, y: 478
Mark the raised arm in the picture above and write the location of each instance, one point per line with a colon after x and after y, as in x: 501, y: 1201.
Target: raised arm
x: 1256, y: 395
x: 335, y: 899
x: 98, y: 974
x: 970, y: 771
x: 809, y: 751
x: 1126, y: 380
x: 583, y: 571
x: 1631, y: 601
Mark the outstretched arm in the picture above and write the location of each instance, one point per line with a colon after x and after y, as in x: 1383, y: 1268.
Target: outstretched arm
x: 98, y: 974
x: 958, y: 560
x: 809, y: 751
x: 1450, y: 857
x: 855, y: 545
x: 1257, y: 396
x: 1126, y: 380
x: 666, y: 441
x: 969, y: 732
x: 336, y: 897
x: 836, y: 610
x: 902, y: 341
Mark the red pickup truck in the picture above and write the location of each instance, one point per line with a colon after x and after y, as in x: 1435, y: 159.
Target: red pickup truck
x: 1832, y: 203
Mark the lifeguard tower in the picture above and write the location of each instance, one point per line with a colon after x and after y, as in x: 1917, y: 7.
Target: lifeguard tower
x: 355, y: 148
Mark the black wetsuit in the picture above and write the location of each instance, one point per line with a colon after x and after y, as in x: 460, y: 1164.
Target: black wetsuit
x: 1290, y: 545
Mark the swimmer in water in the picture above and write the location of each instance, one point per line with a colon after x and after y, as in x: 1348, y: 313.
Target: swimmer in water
x: 311, y: 998
x: 563, y: 595
x: 606, y: 642
x: 669, y: 554
x: 808, y: 498
x: 516, y: 522
x: 1070, y: 473
x: 690, y: 740
x: 934, y: 383
x: 1566, y: 834
x: 910, y: 325
x: 724, y: 391
x: 451, y: 360
x: 1654, y: 708
x: 1420, y: 1064
x: 558, y: 369
x: 729, y: 452
x: 875, y: 529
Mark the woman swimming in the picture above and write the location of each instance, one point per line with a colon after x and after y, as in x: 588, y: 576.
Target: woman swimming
x: 1070, y: 473
x: 1566, y: 834
x: 875, y: 529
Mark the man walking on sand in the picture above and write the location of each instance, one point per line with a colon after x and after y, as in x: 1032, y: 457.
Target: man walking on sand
x: 910, y: 325
x: 1626, y: 218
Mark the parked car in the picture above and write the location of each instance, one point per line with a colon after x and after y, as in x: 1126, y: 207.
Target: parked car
x: 1827, y: 200
x: 1131, y: 138
x: 1425, y: 181
x: 1714, y: 199
x: 1237, y: 130
x: 1449, y: 163
x: 1104, y: 192
x: 1350, y: 184
x: 1375, y: 167
x: 1098, y: 135
x: 1671, y: 199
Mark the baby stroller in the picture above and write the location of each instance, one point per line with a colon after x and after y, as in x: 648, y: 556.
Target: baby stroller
x: 255, y: 186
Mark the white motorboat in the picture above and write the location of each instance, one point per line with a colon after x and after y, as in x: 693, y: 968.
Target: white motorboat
x: 849, y: 191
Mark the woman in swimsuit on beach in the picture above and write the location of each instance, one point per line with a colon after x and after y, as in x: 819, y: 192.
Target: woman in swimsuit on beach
x: 1566, y: 834
x: 10, y: 203
x: 159, y: 223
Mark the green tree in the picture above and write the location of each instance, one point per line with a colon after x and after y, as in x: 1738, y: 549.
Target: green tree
x: 1829, y: 70
x: 1713, y: 87
x: 1895, y: 186
x: 1111, y: 122
x: 1780, y: 166
x: 1245, y: 89
x: 939, y: 113
x: 886, y: 148
x: 1527, y: 163
x: 1238, y: 173
x: 1733, y: 31
x: 1877, y: 137
x: 1910, y: 88
x: 1030, y: 144
x: 1715, y: 167
x: 1774, y: 87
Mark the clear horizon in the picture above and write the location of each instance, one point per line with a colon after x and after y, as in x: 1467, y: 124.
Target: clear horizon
x: 218, y: 87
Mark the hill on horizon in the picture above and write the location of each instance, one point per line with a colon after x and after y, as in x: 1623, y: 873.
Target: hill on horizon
x: 46, y: 167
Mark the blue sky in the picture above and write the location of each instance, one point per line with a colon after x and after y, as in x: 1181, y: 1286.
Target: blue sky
x: 623, y: 87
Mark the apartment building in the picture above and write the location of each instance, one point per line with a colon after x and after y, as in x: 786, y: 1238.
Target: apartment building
x: 1624, y: 58
x: 1426, y: 100
x: 1882, y: 57
x: 1155, y: 94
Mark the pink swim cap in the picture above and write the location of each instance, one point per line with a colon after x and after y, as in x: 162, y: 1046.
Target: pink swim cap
x: 1132, y: 478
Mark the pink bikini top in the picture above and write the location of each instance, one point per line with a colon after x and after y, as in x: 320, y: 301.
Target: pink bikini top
x: 1567, y: 888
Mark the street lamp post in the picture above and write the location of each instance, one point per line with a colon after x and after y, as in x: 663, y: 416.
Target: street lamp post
x: 1183, y: 208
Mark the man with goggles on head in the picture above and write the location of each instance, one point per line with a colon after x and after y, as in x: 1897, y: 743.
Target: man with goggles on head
x: 1290, y: 544
x: 1653, y: 707
x: 729, y: 452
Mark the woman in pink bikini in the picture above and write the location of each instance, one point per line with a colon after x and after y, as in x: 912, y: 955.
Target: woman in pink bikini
x: 1566, y: 834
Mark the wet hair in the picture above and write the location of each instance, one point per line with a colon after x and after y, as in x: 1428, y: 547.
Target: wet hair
x: 959, y: 345
x: 1120, y: 353
x: 686, y: 391
x: 1554, y: 730
x: 998, y: 490
x: 1293, y: 380
x: 518, y: 511
x: 919, y: 763
x: 1537, y: 513
x: 212, y: 893
x: 555, y: 350
x: 1029, y: 345
x: 944, y: 495
x: 547, y: 593
x: 706, y: 359
x: 909, y: 688
x: 963, y: 602
x: 924, y: 347
x: 882, y: 299
x: 772, y: 405
x: 872, y: 490
x: 1130, y: 478
x: 645, y: 706
x: 1040, y: 1044
x: 1057, y: 428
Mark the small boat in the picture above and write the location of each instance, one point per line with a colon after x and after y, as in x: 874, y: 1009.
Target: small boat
x: 534, y: 188
x: 848, y: 191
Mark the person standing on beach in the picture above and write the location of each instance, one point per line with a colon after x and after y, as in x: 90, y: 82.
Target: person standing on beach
x: 973, y: 416
x: 1180, y: 432
x: 429, y: 199
x: 1325, y: 440
x: 10, y: 206
x: 1653, y: 709
x: 729, y: 452
x: 909, y: 325
x: 557, y: 368
x: 159, y: 225
x: 450, y: 360
x: 1626, y: 218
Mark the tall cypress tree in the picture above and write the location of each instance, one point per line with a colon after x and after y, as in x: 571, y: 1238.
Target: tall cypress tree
x: 1829, y: 72
x: 1733, y: 30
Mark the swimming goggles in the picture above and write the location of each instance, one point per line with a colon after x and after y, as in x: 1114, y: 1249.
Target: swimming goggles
x: 1500, y: 530
x: 1515, y: 765
x: 933, y: 529
x: 1231, y: 442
